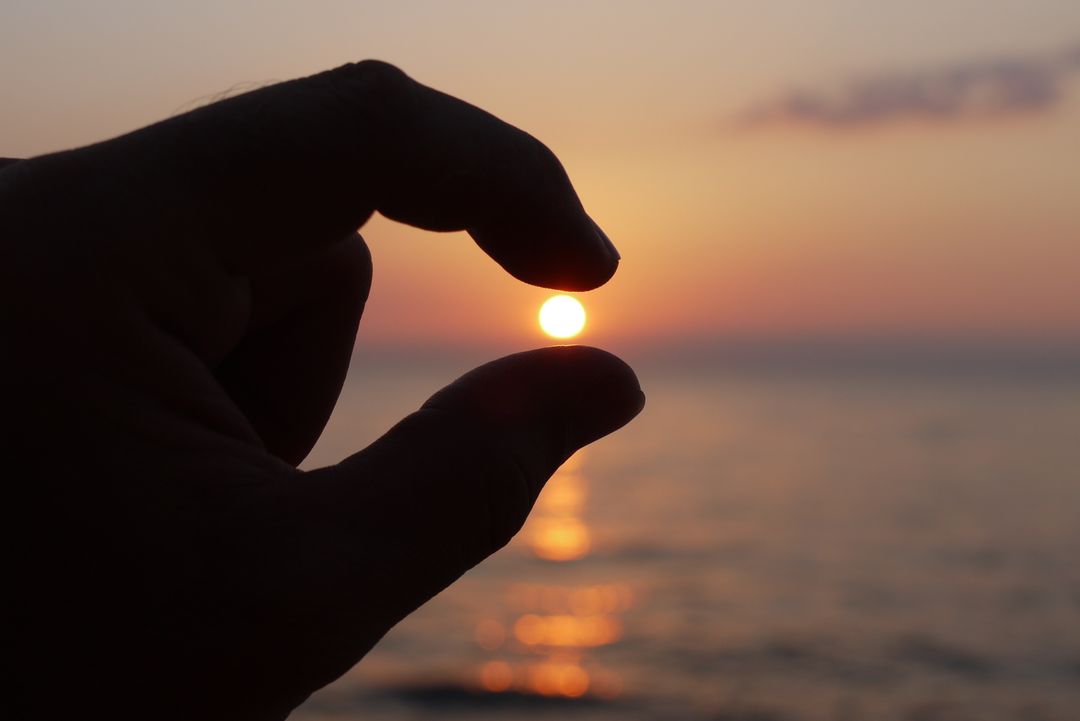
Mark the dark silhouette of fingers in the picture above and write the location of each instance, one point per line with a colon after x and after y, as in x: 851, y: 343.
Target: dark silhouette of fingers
x: 292, y: 167
x: 396, y: 523
x: 287, y: 371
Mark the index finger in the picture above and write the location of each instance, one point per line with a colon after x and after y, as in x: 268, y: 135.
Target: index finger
x: 285, y: 169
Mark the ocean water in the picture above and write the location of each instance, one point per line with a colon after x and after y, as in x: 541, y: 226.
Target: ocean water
x: 761, y: 546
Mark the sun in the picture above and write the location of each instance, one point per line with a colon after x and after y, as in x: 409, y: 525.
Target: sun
x: 562, y: 316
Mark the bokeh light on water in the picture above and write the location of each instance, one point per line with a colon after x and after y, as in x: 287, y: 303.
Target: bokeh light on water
x: 542, y: 635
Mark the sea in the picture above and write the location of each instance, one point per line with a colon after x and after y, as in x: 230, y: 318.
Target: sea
x: 761, y: 544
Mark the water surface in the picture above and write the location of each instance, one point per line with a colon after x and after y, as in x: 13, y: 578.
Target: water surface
x: 761, y: 546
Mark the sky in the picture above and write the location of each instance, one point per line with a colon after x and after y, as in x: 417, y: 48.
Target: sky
x: 846, y: 169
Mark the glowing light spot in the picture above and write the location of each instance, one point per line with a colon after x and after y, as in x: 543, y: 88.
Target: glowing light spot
x: 529, y: 629
x: 573, y: 681
x: 567, y: 631
x: 552, y: 678
x: 562, y: 316
x: 559, y: 539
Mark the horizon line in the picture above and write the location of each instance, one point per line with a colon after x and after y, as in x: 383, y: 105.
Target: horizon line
x: 810, y: 352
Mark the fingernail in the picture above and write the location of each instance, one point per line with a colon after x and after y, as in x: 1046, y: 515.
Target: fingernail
x: 612, y: 250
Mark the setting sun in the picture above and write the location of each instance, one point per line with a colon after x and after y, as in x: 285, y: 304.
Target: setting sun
x: 562, y: 316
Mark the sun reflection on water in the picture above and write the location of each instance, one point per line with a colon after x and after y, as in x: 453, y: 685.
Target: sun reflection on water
x: 544, y: 641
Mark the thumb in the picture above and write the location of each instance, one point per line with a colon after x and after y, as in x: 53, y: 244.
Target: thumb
x: 453, y: 482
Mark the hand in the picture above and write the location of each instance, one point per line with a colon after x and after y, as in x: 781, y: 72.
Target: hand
x: 179, y: 309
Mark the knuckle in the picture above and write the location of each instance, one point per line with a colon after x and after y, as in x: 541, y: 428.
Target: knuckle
x: 372, y: 84
x: 375, y: 70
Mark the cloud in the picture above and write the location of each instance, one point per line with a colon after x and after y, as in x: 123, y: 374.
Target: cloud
x: 990, y: 88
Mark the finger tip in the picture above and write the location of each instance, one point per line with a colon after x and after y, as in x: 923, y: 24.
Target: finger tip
x: 539, y: 407
x: 603, y: 390
x: 598, y: 262
x: 588, y: 390
x: 572, y: 255
x: 576, y: 274
x: 598, y: 274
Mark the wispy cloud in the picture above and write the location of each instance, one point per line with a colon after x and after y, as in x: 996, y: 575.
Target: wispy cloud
x: 987, y: 88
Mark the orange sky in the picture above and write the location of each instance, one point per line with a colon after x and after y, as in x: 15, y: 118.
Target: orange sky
x: 856, y: 216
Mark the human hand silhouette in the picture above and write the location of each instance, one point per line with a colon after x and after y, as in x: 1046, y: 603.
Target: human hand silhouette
x: 179, y: 309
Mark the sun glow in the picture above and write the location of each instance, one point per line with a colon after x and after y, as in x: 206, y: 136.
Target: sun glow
x: 562, y: 316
